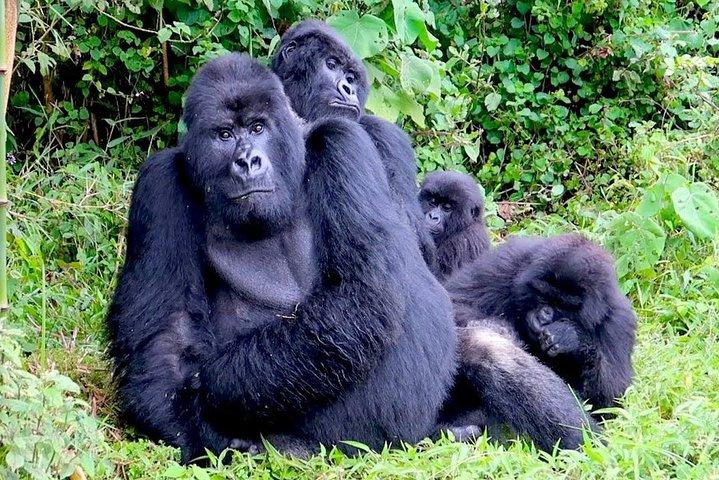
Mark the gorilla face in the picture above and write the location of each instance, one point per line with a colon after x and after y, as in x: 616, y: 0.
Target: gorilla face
x: 321, y: 75
x: 451, y: 202
x: 243, y: 149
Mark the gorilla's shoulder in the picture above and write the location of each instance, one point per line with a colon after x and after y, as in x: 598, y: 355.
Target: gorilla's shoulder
x: 374, y: 124
x: 160, y: 163
x: 160, y: 192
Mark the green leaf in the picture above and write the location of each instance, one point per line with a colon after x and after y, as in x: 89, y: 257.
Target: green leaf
x: 380, y: 103
x: 472, y: 151
x: 636, y: 242
x: 420, y: 76
x: 359, y: 446
x: 199, y: 473
x: 542, y: 54
x: 698, y: 208
x: 408, y: 20
x: 164, y: 34
x: 653, y: 201
x: 492, y: 101
x: 174, y: 471
x: 524, y: 7
x: 367, y: 35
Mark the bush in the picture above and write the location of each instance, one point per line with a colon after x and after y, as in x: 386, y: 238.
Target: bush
x: 538, y: 98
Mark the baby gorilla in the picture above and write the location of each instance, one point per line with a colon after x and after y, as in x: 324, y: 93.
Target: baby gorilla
x: 453, y: 209
x: 561, y: 296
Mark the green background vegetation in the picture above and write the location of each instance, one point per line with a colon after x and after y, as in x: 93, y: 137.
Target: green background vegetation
x: 599, y: 116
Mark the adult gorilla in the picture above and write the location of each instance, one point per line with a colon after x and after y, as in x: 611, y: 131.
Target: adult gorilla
x: 323, y: 78
x: 269, y: 290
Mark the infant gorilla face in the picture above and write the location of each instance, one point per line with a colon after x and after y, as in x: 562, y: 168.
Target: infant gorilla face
x: 552, y: 330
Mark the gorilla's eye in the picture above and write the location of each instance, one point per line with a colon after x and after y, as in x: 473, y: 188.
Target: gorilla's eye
x: 350, y: 78
x: 446, y: 207
x: 432, y: 202
x: 257, y: 128
x: 225, y: 134
x: 331, y: 63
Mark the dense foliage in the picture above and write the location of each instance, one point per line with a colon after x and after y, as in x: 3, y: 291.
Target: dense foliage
x: 599, y: 116
x: 537, y: 97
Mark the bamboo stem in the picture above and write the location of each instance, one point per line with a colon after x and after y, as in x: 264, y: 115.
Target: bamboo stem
x: 8, y: 28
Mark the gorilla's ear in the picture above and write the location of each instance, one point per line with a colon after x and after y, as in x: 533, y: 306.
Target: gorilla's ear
x: 476, y: 212
x: 287, y: 50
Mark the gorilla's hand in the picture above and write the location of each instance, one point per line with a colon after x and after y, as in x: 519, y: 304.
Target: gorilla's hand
x: 247, y: 446
x: 560, y: 337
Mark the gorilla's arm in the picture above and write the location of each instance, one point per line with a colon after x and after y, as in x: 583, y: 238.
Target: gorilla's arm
x: 396, y: 152
x: 596, y: 360
x: 159, y: 298
x: 342, y: 329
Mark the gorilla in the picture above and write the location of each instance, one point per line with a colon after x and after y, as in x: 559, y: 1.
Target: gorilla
x: 453, y: 209
x: 323, y: 78
x: 559, y: 297
x: 269, y: 287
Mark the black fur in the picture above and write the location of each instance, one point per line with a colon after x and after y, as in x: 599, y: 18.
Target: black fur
x: 501, y: 386
x: 268, y: 290
x: 453, y: 209
x: 316, y: 91
x: 561, y: 296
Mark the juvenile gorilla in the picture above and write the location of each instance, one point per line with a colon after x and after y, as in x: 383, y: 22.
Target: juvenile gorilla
x: 561, y: 297
x: 272, y: 290
x: 323, y: 78
x: 453, y: 209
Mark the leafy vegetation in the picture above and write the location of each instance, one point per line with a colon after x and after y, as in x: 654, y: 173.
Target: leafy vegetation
x: 600, y: 116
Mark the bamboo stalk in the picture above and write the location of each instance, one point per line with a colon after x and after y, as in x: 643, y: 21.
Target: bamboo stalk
x: 8, y: 28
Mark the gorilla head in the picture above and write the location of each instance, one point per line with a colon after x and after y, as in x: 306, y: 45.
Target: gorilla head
x: 566, y: 279
x: 321, y: 74
x: 452, y: 203
x: 243, y: 149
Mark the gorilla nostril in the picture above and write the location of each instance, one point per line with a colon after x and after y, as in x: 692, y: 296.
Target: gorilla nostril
x: 347, y: 89
x: 256, y: 162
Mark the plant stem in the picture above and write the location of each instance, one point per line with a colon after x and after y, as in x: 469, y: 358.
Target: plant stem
x: 3, y: 165
x: 8, y: 27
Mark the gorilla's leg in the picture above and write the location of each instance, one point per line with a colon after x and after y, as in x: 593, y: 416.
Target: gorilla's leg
x: 515, y: 389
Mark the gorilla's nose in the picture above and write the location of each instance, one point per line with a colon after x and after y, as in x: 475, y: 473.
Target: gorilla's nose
x: 347, y: 91
x: 251, y: 165
x: 433, y: 216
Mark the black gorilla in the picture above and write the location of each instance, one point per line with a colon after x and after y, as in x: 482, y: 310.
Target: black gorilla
x: 268, y: 290
x: 323, y: 78
x: 559, y: 296
x: 453, y: 209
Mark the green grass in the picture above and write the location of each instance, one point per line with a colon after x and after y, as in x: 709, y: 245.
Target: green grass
x: 66, y: 245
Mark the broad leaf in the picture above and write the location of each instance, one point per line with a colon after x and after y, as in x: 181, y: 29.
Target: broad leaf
x: 698, y: 207
x: 367, y: 35
x: 492, y: 100
x: 420, y: 76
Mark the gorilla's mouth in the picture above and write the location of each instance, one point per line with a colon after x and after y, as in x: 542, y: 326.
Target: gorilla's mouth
x: 350, y: 106
x: 246, y: 194
x: 435, y: 230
